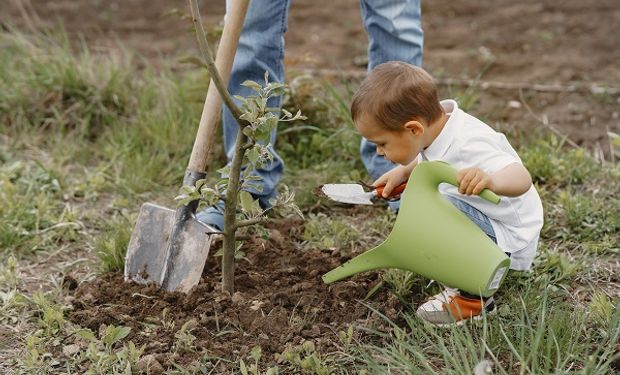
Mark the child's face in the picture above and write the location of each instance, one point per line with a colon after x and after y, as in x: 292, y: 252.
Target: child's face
x: 398, y: 146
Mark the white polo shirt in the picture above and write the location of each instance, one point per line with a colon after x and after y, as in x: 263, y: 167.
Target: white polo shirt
x: 466, y: 142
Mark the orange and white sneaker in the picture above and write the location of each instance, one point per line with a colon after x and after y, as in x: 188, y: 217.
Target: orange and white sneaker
x: 450, y: 307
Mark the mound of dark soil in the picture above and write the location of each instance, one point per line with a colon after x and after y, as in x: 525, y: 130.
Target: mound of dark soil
x: 280, y: 300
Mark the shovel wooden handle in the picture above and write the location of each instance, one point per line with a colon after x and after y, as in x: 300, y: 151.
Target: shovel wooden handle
x: 397, y: 190
x: 211, y: 111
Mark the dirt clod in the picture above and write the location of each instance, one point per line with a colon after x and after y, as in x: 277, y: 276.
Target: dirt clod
x: 70, y: 350
x: 69, y: 283
x: 149, y: 365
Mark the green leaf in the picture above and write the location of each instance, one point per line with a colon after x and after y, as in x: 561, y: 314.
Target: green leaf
x: 279, y: 91
x: 298, y: 116
x: 224, y: 172
x: 248, y: 132
x: 249, y: 117
x: 239, y: 255
x: 251, y: 84
x: 250, y: 186
x: 262, y: 135
x: 615, y: 141
x: 262, y: 104
x: 183, y: 200
x: 246, y: 200
x: 271, y: 123
x: 253, y: 154
x: 200, y: 183
x: 221, y: 185
x: 86, y: 334
x: 256, y: 353
x: 187, y: 189
x: 242, y: 367
x: 114, y: 334
x: 274, y: 85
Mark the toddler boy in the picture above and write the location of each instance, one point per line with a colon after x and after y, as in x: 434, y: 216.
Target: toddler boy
x: 397, y: 108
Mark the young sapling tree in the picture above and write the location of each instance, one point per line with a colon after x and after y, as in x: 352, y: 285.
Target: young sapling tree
x: 252, y: 150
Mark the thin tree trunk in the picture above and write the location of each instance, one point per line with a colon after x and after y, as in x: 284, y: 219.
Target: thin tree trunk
x: 230, y: 227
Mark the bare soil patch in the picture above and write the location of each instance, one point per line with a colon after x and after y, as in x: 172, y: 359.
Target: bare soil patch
x: 280, y: 300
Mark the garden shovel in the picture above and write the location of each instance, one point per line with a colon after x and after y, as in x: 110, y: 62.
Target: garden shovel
x: 170, y: 247
x: 357, y: 193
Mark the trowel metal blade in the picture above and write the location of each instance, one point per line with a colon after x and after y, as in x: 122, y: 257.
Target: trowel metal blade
x: 146, y: 253
x: 348, y: 193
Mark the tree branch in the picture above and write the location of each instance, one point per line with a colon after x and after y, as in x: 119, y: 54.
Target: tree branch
x: 247, y: 146
x: 247, y: 223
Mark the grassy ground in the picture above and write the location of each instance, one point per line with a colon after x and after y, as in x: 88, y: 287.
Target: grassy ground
x: 86, y: 138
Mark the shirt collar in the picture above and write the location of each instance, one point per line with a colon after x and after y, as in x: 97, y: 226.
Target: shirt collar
x: 441, y: 144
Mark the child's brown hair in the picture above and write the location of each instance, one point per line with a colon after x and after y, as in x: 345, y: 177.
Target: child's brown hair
x: 396, y: 92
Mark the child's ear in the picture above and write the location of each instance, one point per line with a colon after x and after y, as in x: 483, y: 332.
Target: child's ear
x: 415, y: 127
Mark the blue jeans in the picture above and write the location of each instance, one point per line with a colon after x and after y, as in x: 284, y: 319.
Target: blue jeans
x: 394, y: 33
x: 480, y: 219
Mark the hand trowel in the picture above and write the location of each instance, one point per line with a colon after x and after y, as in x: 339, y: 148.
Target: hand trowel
x: 357, y: 193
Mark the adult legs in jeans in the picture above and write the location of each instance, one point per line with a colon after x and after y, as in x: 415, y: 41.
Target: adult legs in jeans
x: 395, y: 33
x: 260, y: 50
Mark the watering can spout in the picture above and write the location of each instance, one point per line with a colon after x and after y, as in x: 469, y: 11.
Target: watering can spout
x: 368, y: 261
x: 433, y: 238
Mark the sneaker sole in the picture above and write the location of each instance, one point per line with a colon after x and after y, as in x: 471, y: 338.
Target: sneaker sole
x: 464, y: 321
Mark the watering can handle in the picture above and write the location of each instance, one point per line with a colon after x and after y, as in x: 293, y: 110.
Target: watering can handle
x: 441, y: 171
x: 490, y: 196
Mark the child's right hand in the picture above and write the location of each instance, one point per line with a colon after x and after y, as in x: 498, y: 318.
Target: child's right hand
x: 394, y: 178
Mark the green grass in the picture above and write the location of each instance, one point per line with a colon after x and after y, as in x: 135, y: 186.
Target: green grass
x: 328, y: 135
x: 33, y: 215
x: 536, y: 334
x: 135, y: 127
x: 86, y: 138
x: 111, y: 245
x: 78, y: 127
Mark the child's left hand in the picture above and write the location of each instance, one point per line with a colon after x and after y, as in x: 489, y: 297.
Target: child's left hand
x: 473, y: 181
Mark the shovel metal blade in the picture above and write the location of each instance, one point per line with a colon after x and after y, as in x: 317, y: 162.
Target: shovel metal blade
x: 148, y: 259
x: 348, y: 193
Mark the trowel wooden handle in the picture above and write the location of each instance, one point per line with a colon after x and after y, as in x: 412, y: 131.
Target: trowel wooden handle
x: 397, y: 190
x: 205, y: 137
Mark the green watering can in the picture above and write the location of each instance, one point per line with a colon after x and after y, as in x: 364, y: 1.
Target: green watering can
x: 433, y: 238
